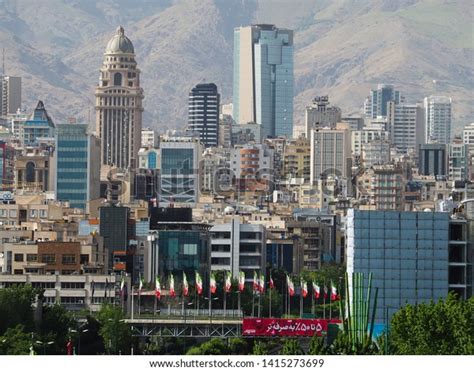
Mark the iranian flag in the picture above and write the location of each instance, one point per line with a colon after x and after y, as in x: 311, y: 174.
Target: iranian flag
x: 272, y: 284
x: 334, y: 295
x: 172, y: 290
x: 198, y: 283
x: 304, y: 288
x: 157, y: 288
x: 228, y: 282
x: 261, y: 283
x: 185, y: 285
x: 140, y: 284
x: 325, y: 291
x: 241, y: 281
x: 316, y: 290
x: 213, y: 285
x: 255, y: 281
x: 291, y: 286
x: 122, y: 285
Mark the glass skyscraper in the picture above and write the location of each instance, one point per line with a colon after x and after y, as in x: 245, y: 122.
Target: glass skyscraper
x: 263, y: 78
x: 77, y: 165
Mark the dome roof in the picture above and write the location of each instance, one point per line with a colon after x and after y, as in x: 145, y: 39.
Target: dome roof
x: 119, y: 43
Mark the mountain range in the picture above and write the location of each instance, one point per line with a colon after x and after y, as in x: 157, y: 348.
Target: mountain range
x: 342, y: 49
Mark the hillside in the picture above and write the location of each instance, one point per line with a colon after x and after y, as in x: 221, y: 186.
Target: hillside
x: 342, y: 48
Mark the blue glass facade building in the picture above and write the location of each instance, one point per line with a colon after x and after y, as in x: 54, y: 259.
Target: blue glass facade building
x: 407, y: 252
x: 263, y: 78
x: 77, y: 168
x: 40, y: 125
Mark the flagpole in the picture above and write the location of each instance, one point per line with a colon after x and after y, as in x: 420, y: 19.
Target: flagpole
x: 270, y: 303
x: 132, y: 303
x: 238, y: 299
x: 301, y: 302
x: 253, y: 302
x: 259, y: 302
x: 225, y: 300
x: 324, y: 299
x: 155, y: 305
x: 312, y: 300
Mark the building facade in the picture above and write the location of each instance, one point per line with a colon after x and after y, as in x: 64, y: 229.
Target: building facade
x: 38, y: 126
x: 77, y: 168
x: 438, y: 117
x: 10, y: 95
x: 407, y: 253
x: 321, y: 114
x: 118, y: 104
x: 406, y: 126
x: 203, y: 113
x: 263, y: 78
x: 7, y: 166
x: 376, y: 103
x: 432, y: 159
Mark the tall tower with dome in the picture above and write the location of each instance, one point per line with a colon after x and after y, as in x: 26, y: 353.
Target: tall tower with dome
x: 118, y: 104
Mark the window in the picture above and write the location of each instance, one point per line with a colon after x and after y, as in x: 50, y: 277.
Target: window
x: 72, y: 285
x: 48, y: 258
x: 117, y: 79
x: 31, y: 257
x: 19, y: 257
x: 33, y: 213
x: 69, y: 259
x: 18, y: 271
x: 13, y: 214
x: 189, y: 249
x: 43, y: 285
x: 30, y: 172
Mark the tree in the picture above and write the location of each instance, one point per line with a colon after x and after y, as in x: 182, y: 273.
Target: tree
x: 16, y: 307
x: 91, y: 341
x: 15, y: 341
x: 211, y: 347
x: 318, y: 346
x: 54, y: 327
x: 260, y: 349
x: 291, y: 347
x: 239, y: 346
x: 115, y: 333
x: 446, y: 327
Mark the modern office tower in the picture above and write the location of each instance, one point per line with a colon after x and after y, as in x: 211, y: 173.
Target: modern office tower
x: 179, y: 164
x: 149, y: 138
x: 458, y: 160
x: 203, y: 113
x: 359, y: 138
x: 39, y: 125
x: 7, y: 166
x: 113, y: 228
x: 432, y: 160
x: 148, y: 158
x: 10, y: 95
x: 118, y: 104
x: 376, y: 103
x: 407, y: 253
x: 321, y: 114
x: 297, y: 160
x: 331, y: 152
x: 238, y: 247
x: 437, y: 119
x: 263, y: 78
x: 77, y: 168
x: 406, y: 126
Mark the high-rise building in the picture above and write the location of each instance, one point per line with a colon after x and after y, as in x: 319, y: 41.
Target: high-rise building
x: 77, y: 168
x: 437, y: 119
x: 297, y: 159
x: 263, y: 78
x: 10, y: 94
x: 330, y: 152
x: 203, y: 113
x: 433, y: 160
x: 119, y: 104
x: 7, y: 173
x: 406, y: 125
x: 376, y: 103
x: 321, y: 114
x: 38, y: 126
x: 179, y: 163
x: 407, y: 253
x: 458, y: 160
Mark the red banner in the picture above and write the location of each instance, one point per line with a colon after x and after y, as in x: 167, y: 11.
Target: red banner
x: 284, y: 327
